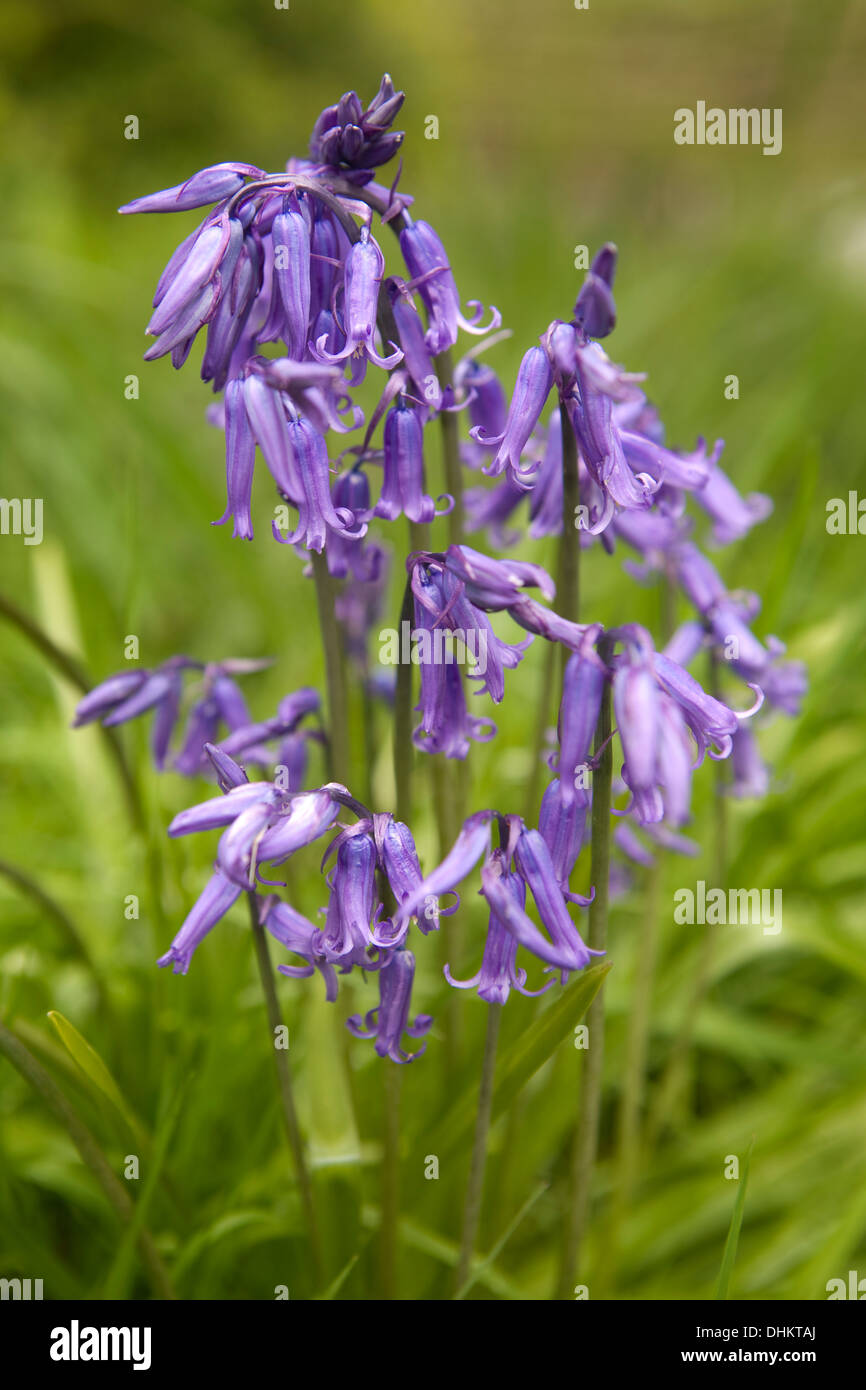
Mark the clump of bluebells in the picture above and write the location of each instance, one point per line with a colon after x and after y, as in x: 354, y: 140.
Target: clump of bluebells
x: 285, y: 281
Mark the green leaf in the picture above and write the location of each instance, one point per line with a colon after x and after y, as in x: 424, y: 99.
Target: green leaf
x: 119, y: 1276
x: 335, y: 1286
x: 522, y: 1059
x: 730, y: 1254
x: 255, y: 1219
x: 334, y: 1145
x: 90, y: 1062
x: 480, y: 1264
x: 415, y: 1236
x: 834, y: 1255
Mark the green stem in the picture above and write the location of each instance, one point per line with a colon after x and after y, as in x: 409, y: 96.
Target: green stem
x: 403, y: 721
x: 390, y: 1199
x: 478, y: 1162
x: 284, y: 1078
x: 568, y: 579
x: 640, y: 1014
x: 634, y: 1072
x: 506, y: 1177
x: 368, y: 713
x: 335, y: 673
x: 445, y: 794
x: 542, y: 724
x: 72, y: 671
x: 479, y: 1266
x: 586, y: 1133
x: 567, y: 603
x: 638, y: 1034
x: 451, y: 453
x: 674, y: 1077
x: 419, y: 535
x: 37, y: 1077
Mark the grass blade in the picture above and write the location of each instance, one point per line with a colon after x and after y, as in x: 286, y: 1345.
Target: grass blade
x: 522, y: 1059
x: 730, y: 1254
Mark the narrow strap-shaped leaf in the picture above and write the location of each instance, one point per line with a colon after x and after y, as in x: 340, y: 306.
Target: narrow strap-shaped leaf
x: 92, y: 1155
x: 522, y: 1059
x: 117, y: 1280
x: 89, y: 1061
x: 730, y: 1254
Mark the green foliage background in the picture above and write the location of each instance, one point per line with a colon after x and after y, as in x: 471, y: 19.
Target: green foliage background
x: 555, y: 130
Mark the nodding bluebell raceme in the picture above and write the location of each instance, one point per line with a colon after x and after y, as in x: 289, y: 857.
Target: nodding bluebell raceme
x: 286, y: 278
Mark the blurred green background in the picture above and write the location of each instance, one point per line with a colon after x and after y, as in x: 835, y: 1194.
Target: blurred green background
x: 555, y: 130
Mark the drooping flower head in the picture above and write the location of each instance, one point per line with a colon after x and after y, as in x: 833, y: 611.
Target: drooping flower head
x: 129, y: 694
x: 249, y: 742
x: 522, y: 851
x: 657, y: 705
x: 292, y: 258
x: 390, y: 1020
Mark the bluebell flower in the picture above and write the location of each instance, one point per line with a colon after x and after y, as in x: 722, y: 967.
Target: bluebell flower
x: 657, y: 704
x: 534, y: 380
x: 727, y: 618
x: 564, y: 949
x: 412, y: 334
x: 427, y: 263
x: 486, y: 405
x: 249, y: 741
x: 390, y: 1020
x: 301, y: 938
x: 220, y: 704
x: 351, y: 906
x: 363, y: 272
x: 403, y: 483
x: 499, y: 972
x: 442, y: 604
x: 562, y: 826
x: 290, y: 232
x: 129, y: 694
x: 583, y: 683
x: 219, y: 895
x: 210, y: 185
x: 261, y: 822
x: 595, y: 310
x: 732, y: 515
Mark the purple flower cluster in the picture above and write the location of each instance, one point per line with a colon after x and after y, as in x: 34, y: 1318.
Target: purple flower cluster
x: 453, y: 593
x: 287, y: 279
x: 376, y: 893
x: 291, y: 259
x: 215, y: 703
x: 632, y: 488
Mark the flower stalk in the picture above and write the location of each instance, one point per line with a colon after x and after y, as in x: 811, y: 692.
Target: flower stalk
x: 478, y: 1161
x: 568, y: 578
x: 335, y: 673
x: 585, y: 1144
x: 673, y: 1078
x: 452, y: 467
x: 284, y: 1079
